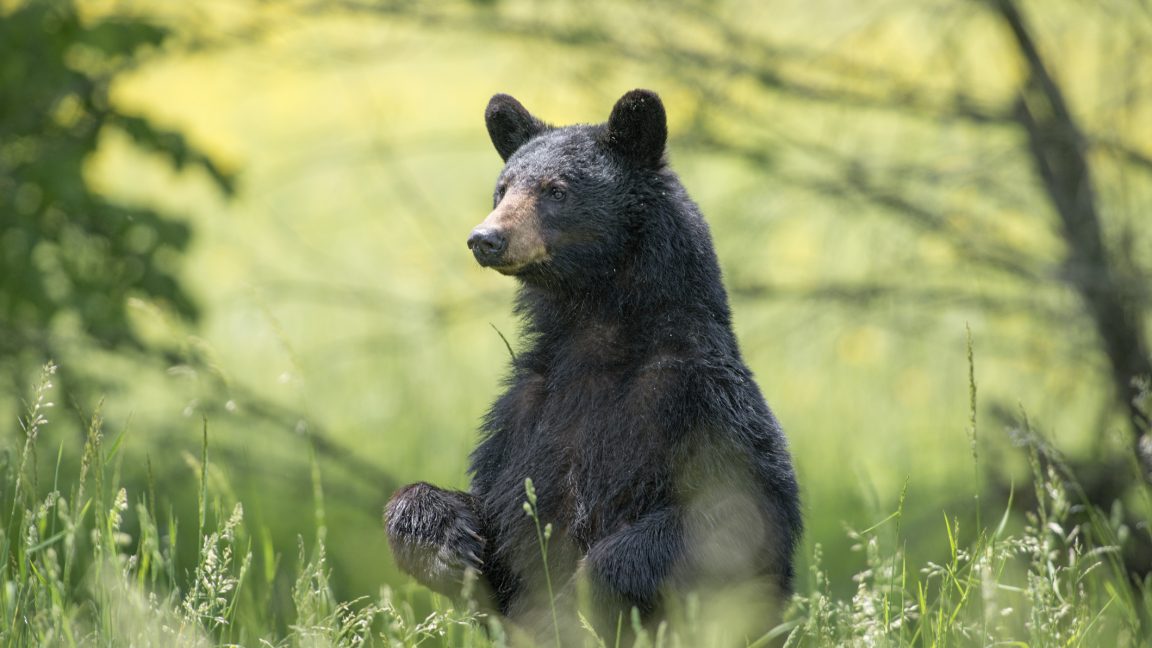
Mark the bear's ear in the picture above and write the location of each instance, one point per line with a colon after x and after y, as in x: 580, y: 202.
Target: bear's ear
x: 638, y: 129
x: 510, y: 124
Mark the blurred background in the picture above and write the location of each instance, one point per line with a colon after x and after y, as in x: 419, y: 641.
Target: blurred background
x: 254, y: 212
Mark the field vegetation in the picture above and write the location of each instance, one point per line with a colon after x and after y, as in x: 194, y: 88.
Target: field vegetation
x: 237, y: 310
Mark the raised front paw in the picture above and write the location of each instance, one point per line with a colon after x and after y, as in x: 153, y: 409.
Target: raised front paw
x: 435, y: 535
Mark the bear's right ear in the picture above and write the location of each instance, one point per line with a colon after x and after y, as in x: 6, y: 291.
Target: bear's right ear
x: 510, y: 124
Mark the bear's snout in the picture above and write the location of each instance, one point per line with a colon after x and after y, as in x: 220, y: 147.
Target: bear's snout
x: 509, y: 239
x: 487, y: 245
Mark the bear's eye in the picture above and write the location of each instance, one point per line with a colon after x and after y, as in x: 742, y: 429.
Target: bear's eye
x: 557, y: 193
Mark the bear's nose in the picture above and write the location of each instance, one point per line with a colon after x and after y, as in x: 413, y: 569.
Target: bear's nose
x: 486, y: 244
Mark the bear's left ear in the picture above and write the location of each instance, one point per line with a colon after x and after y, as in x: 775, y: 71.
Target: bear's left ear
x: 638, y: 128
x: 510, y: 124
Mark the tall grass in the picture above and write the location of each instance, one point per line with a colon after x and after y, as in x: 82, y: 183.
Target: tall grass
x: 86, y: 562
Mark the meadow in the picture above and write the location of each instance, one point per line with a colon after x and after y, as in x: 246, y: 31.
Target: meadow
x: 896, y: 270
x: 91, y: 565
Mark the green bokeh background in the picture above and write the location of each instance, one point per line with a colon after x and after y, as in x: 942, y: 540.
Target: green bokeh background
x: 340, y: 309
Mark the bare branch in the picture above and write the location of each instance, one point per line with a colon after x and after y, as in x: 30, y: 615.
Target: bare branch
x: 1059, y: 154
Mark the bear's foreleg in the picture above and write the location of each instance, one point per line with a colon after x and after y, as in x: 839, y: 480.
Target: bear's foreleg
x: 631, y: 567
x: 435, y: 535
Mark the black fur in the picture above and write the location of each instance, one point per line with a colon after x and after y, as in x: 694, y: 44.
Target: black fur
x: 653, y: 453
x: 637, y: 128
x: 510, y: 124
x: 442, y: 533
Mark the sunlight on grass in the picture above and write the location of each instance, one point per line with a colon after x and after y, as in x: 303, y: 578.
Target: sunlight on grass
x: 94, y: 566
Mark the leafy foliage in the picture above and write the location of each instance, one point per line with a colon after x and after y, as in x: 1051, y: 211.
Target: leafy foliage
x: 70, y: 259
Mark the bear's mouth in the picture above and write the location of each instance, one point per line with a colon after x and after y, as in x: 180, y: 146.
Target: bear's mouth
x: 501, y: 265
x: 514, y: 265
x: 512, y: 269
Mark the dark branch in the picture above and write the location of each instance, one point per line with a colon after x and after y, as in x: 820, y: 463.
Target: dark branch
x: 1059, y: 154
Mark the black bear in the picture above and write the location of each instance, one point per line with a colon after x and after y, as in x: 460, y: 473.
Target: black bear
x: 654, y: 456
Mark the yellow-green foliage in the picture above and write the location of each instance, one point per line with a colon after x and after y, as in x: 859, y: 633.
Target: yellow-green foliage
x: 346, y: 343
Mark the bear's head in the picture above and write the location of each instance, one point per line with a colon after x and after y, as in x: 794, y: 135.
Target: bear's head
x: 569, y: 198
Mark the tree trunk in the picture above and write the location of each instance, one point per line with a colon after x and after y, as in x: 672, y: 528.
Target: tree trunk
x: 1059, y: 153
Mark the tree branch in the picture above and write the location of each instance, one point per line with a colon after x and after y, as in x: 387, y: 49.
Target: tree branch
x: 1058, y: 151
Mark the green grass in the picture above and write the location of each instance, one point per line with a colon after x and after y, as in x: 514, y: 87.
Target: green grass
x: 89, y: 563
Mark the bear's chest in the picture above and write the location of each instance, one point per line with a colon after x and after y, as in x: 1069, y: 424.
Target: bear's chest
x: 593, y: 446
